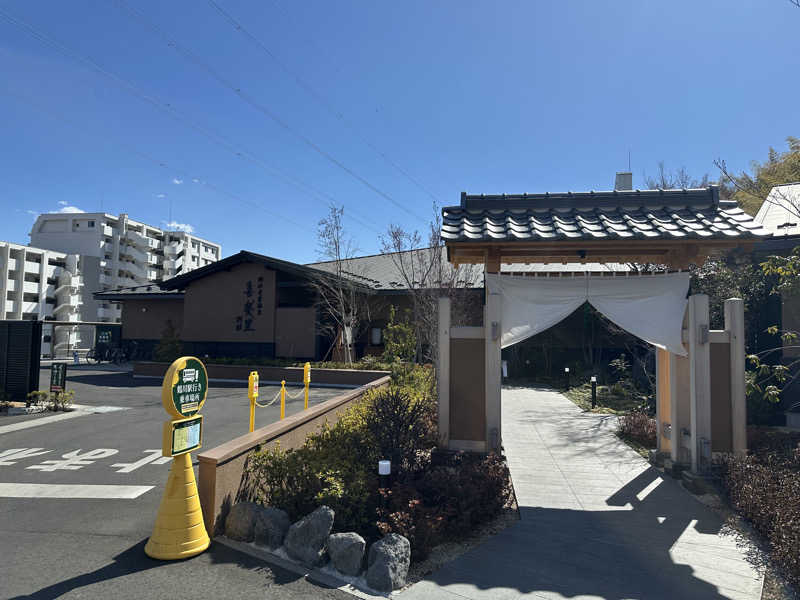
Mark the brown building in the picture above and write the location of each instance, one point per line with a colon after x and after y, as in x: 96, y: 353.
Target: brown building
x: 244, y: 305
x: 253, y: 305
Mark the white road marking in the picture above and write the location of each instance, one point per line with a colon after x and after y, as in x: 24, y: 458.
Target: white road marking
x: 41, y: 421
x: 154, y: 457
x: 98, y: 409
x: 56, y: 490
x: 74, y: 460
x: 10, y: 457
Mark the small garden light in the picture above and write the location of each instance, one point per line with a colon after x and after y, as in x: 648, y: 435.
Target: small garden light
x: 566, y: 375
x: 594, y: 390
x: 384, y: 467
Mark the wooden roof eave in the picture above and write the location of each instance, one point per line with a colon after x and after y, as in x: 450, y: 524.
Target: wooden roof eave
x: 676, y: 253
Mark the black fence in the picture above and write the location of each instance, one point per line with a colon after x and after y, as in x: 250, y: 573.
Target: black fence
x: 20, y: 350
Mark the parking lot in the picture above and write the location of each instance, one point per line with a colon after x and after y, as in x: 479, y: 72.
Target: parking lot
x: 93, y: 478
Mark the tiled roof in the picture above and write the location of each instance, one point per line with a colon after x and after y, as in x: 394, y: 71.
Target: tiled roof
x: 382, y: 271
x: 696, y: 214
x: 150, y: 290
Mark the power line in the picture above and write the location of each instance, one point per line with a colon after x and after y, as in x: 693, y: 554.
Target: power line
x: 319, y: 97
x: 170, y: 110
x: 192, y: 57
x: 160, y: 163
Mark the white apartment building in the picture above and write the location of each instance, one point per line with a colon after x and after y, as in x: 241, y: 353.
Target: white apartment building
x: 116, y: 251
x: 42, y: 284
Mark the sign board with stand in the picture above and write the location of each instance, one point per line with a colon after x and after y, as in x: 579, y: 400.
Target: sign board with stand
x: 58, y: 377
x: 179, y: 531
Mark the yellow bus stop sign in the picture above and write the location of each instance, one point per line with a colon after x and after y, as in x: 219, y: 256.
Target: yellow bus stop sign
x: 179, y: 531
x: 185, y: 387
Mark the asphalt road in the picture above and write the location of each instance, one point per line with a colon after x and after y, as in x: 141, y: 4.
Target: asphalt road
x: 57, y: 547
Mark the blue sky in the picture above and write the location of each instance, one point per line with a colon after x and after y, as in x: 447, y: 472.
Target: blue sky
x: 485, y: 97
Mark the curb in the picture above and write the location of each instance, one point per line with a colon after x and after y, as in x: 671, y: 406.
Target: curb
x: 317, y: 575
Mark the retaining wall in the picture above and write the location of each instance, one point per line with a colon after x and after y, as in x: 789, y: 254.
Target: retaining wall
x: 221, y: 468
x: 324, y: 377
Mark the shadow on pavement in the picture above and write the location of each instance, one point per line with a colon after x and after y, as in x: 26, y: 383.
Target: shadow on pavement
x: 610, y: 554
x: 134, y: 561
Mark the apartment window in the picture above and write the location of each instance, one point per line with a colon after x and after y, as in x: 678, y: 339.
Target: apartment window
x: 194, y: 259
x: 91, y: 223
x: 30, y: 297
x: 195, y: 246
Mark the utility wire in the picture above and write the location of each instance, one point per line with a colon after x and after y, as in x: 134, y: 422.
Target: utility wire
x: 320, y: 98
x: 173, y: 113
x: 28, y: 101
x: 194, y: 58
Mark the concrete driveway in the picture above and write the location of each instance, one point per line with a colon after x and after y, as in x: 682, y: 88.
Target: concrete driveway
x: 596, y: 521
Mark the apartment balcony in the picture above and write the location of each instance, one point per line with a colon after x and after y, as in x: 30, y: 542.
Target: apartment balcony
x: 11, y: 306
x: 12, y: 264
x: 137, y: 239
x: 30, y: 287
x: 68, y: 282
x: 133, y: 252
x: 30, y: 307
x: 68, y: 307
x: 108, y: 231
x: 48, y: 311
x: 11, y: 285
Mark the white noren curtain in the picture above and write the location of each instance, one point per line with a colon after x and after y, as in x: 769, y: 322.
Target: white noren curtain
x: 650, y: 307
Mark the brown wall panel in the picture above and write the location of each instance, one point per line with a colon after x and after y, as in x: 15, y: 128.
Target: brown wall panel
x: 467, y: 390
x: 215, y: 306
x: 295, y: 333
x: 721, y: 428
x: 147, y: 319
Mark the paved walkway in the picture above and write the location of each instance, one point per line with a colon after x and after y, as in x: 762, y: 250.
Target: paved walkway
x: 596, y: 521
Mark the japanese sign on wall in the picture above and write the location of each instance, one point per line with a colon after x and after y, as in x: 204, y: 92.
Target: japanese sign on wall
x: 252, y: 305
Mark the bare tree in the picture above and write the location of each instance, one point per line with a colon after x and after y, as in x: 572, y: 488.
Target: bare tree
x: 342, y: 301
x: 672, y: 180
x: 426, y: 273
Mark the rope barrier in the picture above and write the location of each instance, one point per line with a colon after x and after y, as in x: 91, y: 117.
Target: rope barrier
x: 271, y: 402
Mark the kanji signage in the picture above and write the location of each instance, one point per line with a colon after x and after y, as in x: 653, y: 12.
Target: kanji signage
x: 185, y: 387
x: 58, y: 377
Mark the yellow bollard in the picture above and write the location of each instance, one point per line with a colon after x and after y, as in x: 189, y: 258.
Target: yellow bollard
x: 283, y: 399
x: 252, y: 394
x: 306, y: 380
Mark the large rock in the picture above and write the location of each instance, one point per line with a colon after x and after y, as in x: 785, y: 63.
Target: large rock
x: 306, y: 539
x: 271, y: 525
x: 389, y: 559
x: 241, y: 520
x: 347, y: 552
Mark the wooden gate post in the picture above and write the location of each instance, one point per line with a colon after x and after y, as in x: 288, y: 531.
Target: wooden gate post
x: 699, y: 381
x: 734, y: 324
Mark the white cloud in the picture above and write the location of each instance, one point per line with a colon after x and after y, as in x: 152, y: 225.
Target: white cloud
x: 63, y: 203
x: 174, y: 225
x: 70, y: 209
x: 196, y: 180
x: 177, y: 181
x: 161, y: 196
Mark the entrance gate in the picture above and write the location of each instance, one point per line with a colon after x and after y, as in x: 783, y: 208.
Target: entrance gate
x: 669, y: 228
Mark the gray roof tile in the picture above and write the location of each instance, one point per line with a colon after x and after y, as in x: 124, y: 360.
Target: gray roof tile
x: 647, y: 215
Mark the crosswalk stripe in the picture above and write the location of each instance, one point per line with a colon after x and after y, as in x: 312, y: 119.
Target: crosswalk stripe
x: 57, y: 490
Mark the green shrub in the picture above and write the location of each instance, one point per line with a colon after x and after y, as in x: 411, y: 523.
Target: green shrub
x: 447, y: 501
x: 54, y: 401
x: 169, y: 346
x: 400, y: 343
x: 338, y: 467
x: 764, y: 488
x: 639, y: 427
